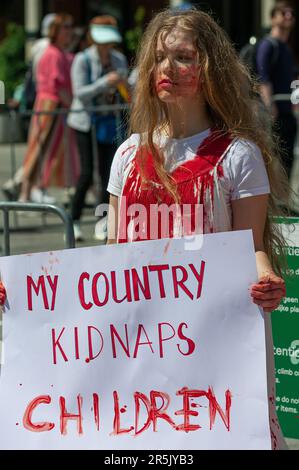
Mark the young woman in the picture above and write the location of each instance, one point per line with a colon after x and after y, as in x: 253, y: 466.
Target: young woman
x: 51, y: 157
x: 200, y: 137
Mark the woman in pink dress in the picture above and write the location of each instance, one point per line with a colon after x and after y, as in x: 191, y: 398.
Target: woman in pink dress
x: 51, y: 155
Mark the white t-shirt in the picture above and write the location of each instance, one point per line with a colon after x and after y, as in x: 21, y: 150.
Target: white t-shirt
x: 244, y: 170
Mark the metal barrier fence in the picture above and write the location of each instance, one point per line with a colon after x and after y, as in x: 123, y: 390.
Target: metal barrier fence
x: 7, y: 207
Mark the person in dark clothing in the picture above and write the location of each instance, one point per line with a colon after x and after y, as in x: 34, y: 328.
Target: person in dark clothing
x: 277, y: 76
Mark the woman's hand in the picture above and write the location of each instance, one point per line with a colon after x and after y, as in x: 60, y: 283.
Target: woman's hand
x: 2, y: 294
x: 113, y: 78
x: 269, y: 292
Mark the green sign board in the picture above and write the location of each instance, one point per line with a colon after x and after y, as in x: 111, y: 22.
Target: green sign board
x: 285, y: 323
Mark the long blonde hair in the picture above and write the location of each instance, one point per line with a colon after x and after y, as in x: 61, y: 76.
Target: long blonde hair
x: 231, y: 98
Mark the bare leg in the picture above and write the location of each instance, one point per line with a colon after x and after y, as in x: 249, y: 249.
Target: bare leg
x: 25, y: 191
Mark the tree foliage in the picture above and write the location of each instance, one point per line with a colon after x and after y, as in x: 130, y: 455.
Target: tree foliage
x: 12, y: 63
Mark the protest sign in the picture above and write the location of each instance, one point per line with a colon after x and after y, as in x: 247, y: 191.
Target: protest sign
x: 285, y: 323
x: 138, y: 346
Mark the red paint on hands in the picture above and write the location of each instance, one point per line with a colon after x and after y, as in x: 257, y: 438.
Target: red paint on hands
x: 268, y: 292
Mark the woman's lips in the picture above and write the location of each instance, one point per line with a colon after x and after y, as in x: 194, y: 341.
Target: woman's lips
x: 166, y: 84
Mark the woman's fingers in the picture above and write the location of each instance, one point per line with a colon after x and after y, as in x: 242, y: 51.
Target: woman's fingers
x: 268, y: 292
x: 260, y: 288
x: 273, y: 294
x: 270, y: 285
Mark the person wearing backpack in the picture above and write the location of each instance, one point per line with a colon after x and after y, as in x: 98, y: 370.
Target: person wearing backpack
x: 96, y: 74
x: 248, y: 53
x: 275, y: 68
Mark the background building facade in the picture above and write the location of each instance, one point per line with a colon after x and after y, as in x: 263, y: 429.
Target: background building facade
x: 241, y: 19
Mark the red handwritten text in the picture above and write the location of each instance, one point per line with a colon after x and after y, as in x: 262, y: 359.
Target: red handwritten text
x: 137, y: 285
x: 168, y: 337
x: 41, y: 286
x: 154, y: 412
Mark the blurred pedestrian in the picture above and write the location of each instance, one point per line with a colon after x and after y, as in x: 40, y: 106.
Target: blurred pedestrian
x: 51, y: 144
x: 96, y: 74
x: 276, y: 77
x: 79, y: 41
x: 23, y: 100
x: 40, y: 45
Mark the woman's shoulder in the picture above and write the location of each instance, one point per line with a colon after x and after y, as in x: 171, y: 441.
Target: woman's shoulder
x: 244, y: 157
x: 82, y: 56
x: 122, y: 163
x: 53, y: 51
x: 48, y: 61
x: 242, y: 148
x: 52, y: 56
x: 245, y: 171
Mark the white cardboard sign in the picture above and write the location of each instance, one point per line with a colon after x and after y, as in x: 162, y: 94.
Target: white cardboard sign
x: 140, y: 346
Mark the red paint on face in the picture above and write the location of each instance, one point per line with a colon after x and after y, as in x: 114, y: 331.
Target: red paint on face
x: 184, y: 80
x: 188, y: 79
x: 177, y: 70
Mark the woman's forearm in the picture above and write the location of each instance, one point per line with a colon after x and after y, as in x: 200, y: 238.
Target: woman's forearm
x: 263, y: 264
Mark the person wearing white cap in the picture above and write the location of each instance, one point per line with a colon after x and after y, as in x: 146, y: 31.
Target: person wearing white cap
x: 96, y: 73
x: 41, y: 44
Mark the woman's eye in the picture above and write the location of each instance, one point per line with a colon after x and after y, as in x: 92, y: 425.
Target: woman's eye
x: 159, y: 58
x: 184, y: 58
